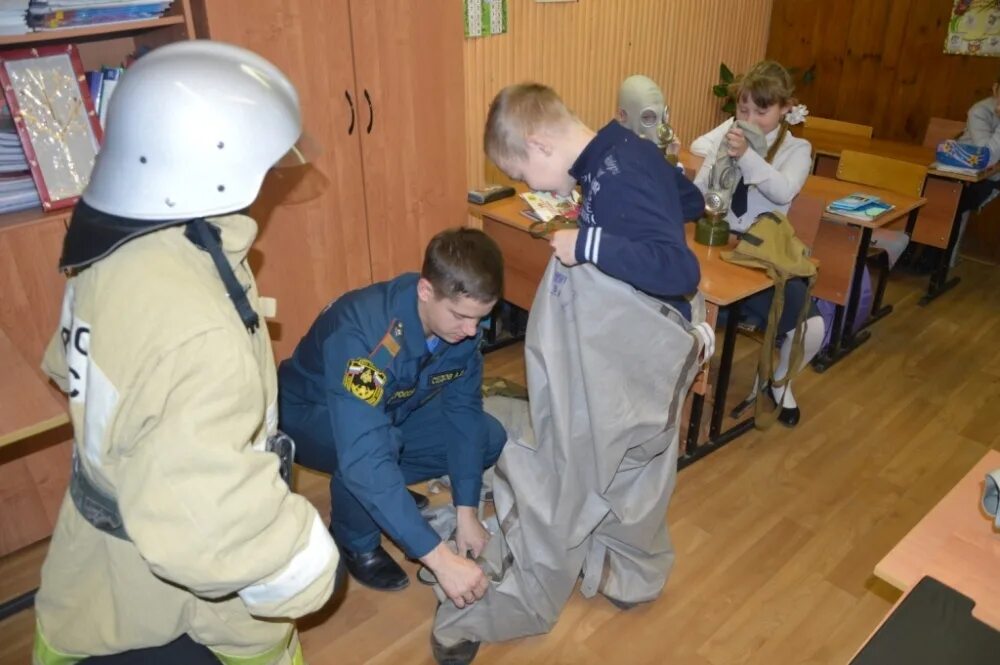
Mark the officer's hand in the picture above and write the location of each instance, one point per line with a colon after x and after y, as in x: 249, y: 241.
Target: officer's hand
x: 470, y: 535
x: 737, y: 142
x: 564, y: 244
x: 460, y: 578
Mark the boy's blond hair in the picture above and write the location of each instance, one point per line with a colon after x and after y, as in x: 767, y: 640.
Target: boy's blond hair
x: 766, y: 83
x: 517, y: 112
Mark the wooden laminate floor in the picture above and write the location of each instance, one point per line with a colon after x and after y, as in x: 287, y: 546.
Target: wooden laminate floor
x: 776, y: 535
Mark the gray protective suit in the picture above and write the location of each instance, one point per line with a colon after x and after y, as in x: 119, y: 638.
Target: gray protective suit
x: 583, y: 485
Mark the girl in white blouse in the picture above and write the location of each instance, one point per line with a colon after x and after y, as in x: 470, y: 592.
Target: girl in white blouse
x: 769, y: 183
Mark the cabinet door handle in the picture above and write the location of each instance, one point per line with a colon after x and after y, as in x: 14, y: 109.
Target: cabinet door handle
x: 371, y: 112
x: 350, y: 102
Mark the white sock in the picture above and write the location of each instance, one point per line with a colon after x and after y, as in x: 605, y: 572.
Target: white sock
x: 814, y: 331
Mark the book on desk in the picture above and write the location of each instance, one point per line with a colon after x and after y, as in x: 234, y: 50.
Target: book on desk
x: 859, y: 206
x: 938, y: 166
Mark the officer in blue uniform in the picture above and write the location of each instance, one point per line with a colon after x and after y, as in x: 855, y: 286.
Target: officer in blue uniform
x: 384, y: 391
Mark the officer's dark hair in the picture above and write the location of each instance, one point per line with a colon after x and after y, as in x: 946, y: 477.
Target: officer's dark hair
x: 464, y: 262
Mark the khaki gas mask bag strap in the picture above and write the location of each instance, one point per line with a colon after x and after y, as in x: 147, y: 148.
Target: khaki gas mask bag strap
x: 770, y: 245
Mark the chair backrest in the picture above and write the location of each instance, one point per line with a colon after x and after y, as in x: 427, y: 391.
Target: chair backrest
x: 805, y: 214
x: 942, y: 129
x: 882, y: 172
x: 839, y: 126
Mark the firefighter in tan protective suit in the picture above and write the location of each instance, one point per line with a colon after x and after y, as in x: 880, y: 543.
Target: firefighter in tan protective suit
x: 177, y: 523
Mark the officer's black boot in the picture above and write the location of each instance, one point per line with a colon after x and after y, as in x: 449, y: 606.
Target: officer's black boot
x: 460, y: 654
x: 376, y: 569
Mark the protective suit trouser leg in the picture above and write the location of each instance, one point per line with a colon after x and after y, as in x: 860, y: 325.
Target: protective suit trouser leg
x: 584, y: 480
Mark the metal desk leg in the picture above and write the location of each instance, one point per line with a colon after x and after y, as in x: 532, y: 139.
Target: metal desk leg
x: 725, y: 370
x: 694, y: 422
x: 716, y: 437
x: 939, y: 278
x: 825, y: 359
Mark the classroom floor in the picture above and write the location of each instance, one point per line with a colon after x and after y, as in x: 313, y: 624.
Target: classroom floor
x: 777, y: 534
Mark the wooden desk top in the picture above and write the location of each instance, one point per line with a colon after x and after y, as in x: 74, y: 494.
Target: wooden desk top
x: 724, y: 283
x: 27, y: 405
x: 831, y: 189
x: 721, y: 283
x: 956, y: 543
x: 832, y: 143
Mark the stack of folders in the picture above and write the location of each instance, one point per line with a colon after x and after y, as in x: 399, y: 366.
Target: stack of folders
x: 17, y: 188
x: 859, y: 206
x: 14, y: 17
x: 60, y: 14
x: 101, y: 83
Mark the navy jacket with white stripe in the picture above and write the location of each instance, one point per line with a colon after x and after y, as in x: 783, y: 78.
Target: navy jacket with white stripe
x: 632, y: 220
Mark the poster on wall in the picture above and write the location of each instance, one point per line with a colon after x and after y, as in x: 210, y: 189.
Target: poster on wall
x: 974, y: 28
x: 485, y: 17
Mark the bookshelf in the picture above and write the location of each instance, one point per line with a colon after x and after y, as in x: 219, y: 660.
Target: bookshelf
x: 72, y: 34
x: 31, y: 289
x: 101, y: 45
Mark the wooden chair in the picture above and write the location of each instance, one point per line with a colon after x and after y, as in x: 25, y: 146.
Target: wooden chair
x: 885, y: 173
x: 941, y: 129
x: 895, y: 175
x: 839, y: 126
x: 805, y: 214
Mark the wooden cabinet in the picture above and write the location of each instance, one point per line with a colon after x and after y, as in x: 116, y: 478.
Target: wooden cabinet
x: 381, y: 85
x: 34, y: 458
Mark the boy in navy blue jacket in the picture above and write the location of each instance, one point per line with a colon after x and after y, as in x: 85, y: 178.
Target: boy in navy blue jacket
x: 634, y: 201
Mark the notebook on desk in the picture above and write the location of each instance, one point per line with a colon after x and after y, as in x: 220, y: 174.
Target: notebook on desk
x: 859, y: 206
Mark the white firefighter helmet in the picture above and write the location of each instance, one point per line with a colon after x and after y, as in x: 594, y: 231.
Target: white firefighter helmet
x: 192, y: 129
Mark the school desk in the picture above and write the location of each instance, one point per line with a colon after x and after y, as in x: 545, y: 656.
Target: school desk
x: 843, y: 339
x: 938, y: 223
x: 724, y: 285
x: 843, y: 243
x: 956, y: 543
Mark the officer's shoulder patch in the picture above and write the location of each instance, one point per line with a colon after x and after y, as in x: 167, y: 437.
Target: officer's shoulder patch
x: 364, y: 380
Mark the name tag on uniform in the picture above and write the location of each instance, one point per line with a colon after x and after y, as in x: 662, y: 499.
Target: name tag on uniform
x: 442, y: 378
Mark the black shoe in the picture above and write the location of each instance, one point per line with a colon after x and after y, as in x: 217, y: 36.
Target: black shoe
x: 787, y: 417
x: 418, y: 498
x: 460, y: 654
x: 376, y: 570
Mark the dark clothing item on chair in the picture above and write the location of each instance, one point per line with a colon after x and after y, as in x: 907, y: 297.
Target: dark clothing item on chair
x: 757, y: 307
x: 975, y: 194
